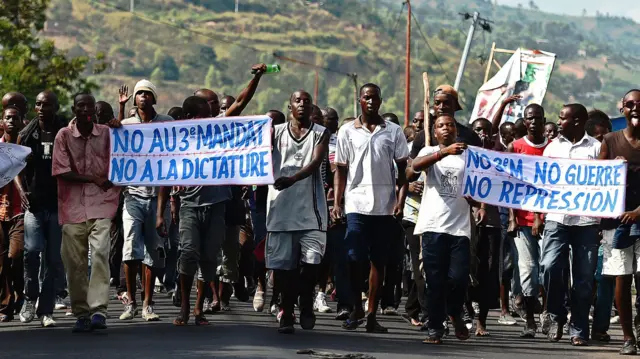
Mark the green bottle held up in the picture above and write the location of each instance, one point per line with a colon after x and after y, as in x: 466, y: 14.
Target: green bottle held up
x: 271, y: 69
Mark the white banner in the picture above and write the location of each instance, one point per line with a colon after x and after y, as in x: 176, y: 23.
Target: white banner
x: 593, y: 188
x: 12, y: 160
x: 214, y: 151
x: 527, y: 74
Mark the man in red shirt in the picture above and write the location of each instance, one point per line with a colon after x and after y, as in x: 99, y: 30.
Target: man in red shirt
x: 529, y: 225
x: 86, y: 205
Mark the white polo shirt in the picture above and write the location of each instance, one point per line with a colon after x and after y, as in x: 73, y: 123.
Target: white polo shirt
x: 588, y: 148
x: 370, y: 158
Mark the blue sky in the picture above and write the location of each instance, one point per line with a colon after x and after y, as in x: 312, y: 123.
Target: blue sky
x: 628, y: 8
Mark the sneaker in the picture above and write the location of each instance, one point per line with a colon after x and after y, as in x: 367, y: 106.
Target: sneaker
x: 69, y: 313
x: 98, y: 322
x: 274, y: 310
x: 83, y: 325
x: 506, y: 319
x: 545, y: 322
x: 28, y: 312
x: 207, y: 308
x: 60, y: 303
x: 176, y: 299
x: 258, y: 302
x: 390, y: 311
x: 343, y: 314
x: 320, y: 304
x: 130, y: 311
x: 468, y: 321
x: 476, y: 309
x: 47, y: 321
x: 615, y: 320
x: 528, y: 332
x: 149, y: 315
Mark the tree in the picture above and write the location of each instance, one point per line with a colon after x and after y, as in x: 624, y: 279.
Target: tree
x: 533, y: 6
x: 30, y: 65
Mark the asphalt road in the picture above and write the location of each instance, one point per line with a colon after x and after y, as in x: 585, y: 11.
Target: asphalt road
x: 243, y: 333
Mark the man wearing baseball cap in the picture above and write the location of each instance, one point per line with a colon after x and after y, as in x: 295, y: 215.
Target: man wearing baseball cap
x: 142, y: 244
x: 445, y: 102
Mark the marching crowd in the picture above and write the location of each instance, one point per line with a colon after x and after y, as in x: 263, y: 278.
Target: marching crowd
x: 362, y: 212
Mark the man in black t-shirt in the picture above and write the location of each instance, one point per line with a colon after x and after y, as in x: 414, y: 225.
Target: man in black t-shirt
x: 39, y: 195
x: 445, y: 102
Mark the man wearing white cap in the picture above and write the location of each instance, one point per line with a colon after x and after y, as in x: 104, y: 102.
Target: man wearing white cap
x: 142, y: 245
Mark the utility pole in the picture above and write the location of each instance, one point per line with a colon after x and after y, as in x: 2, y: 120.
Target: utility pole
x: 131, y: 5
x: 237, y: 2
x: 407, y: 71
x: 484, y: 24
x: 465, y: 52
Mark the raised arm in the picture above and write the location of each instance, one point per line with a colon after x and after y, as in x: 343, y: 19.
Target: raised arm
x: 495, y: 123
x: 246, y: 95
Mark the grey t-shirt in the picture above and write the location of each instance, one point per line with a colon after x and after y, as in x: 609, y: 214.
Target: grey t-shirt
x: 144, y: 191
x: 200, y: 196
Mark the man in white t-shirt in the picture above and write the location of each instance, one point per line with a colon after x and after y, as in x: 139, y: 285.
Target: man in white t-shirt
x: 142, y: 245
x: 445, y: 229
x: 366, y: 153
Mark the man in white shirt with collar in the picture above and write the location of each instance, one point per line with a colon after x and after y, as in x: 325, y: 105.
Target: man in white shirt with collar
x: 563, y: 232
x: 366, y: 153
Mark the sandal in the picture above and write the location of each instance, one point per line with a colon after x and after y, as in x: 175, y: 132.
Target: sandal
x: 482, y: 333
x: 578, y: 342
x: 432, y: 339
x: 180, y: 321
x: 200, y: 319
x: 377, y: 329
x: 416, y: 323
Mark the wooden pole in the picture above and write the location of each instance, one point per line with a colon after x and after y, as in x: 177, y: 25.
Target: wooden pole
x: 486, y: 73
x: 316, y: 89
x: 407, y: 70
x: 427, y: 117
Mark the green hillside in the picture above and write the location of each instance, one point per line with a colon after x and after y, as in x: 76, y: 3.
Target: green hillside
x: 187, y: 44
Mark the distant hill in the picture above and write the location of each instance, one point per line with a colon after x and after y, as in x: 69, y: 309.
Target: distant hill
x: 184, y: 45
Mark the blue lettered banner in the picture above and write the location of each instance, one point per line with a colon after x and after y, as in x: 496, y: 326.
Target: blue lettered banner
x: 593, y: 188
x: 215, y: 151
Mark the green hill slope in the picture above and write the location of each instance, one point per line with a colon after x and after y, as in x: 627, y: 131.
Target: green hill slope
x: 188, y: 44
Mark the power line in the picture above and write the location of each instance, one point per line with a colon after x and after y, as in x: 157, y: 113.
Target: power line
x: 395, y: 25
x: 429, y: 46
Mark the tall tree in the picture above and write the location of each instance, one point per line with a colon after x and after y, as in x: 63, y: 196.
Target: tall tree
x: 29, y: 64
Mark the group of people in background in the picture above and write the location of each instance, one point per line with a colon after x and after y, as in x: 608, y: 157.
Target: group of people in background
x: 362, y: 212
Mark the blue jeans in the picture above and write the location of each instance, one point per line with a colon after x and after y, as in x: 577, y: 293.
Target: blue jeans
x: 527, y: 258
x: 583, y: 243
x: 42, y: 236
x: 335, y: 241
x: 604, y: 298
x: 446, y: 262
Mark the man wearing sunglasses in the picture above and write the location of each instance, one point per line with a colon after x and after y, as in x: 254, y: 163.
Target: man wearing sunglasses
x: 622, y: 248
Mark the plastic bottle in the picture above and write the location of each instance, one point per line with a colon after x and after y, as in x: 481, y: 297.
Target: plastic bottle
x: 271, y: 69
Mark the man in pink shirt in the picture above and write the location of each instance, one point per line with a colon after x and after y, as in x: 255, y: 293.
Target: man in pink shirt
x: 86, y: 204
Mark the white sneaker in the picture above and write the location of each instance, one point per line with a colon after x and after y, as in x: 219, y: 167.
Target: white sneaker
x: 149, y: 314
x: 60, y: 303
x: 258, y: 301
x: 320, y: 304
x: 274, y: 310
x: 615, y: 320
x: 47, y: 321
